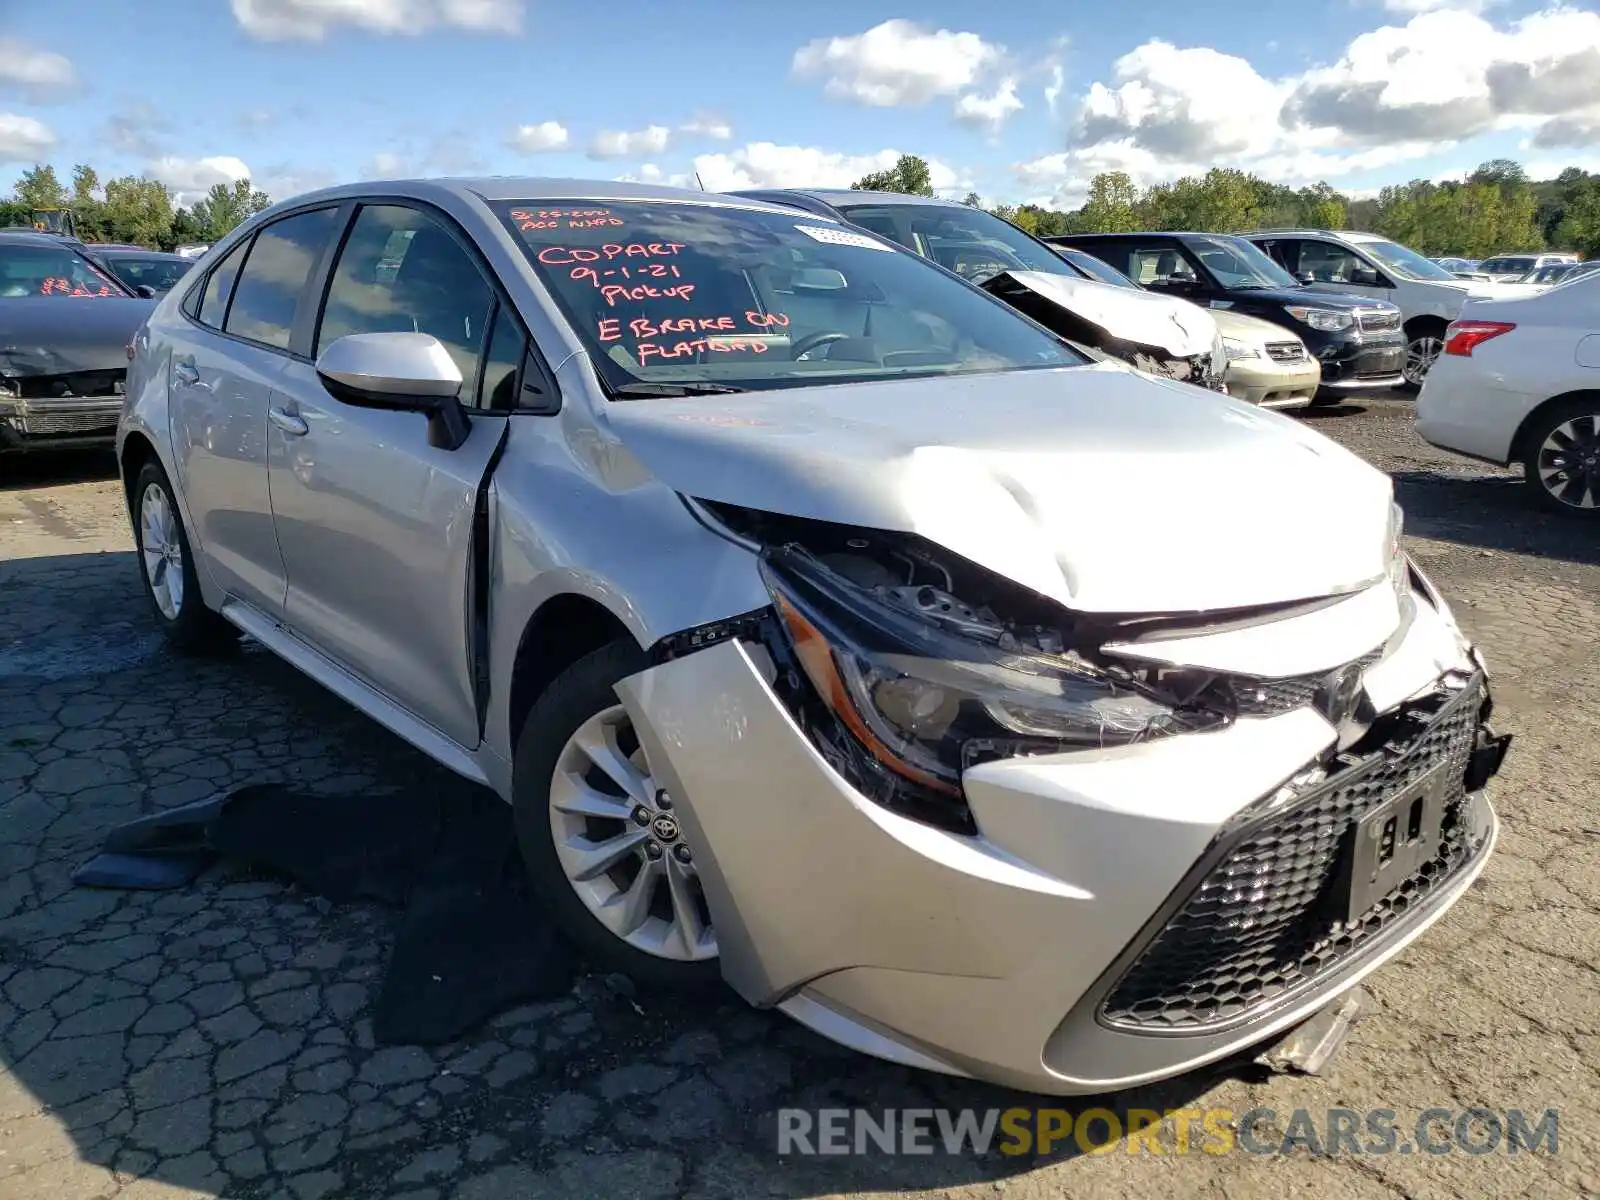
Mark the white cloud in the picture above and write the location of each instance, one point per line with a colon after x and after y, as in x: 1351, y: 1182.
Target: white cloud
x: 991, y: 112
x: 189, y: 179
x: 707, y: 125
x: 764, y: 164
x: 387, y: 164
x: 1579, y: 129
x: 1053, y: 89
x: 134, y: 131
x: 650, y: 173
x: 311, y: 20
x: 615, y: 143
x: 897, y: 64
x: 38, y: 74
x: 23, y: 139
x: 541, y: 138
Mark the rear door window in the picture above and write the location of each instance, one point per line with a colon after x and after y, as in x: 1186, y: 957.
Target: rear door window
x: 219, y: 287
x: 275, y: 275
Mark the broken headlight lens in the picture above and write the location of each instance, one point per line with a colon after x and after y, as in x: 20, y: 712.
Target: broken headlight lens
x: 914, y: 692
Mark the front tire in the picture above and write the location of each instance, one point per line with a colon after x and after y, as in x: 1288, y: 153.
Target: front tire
x: 1561, y: 457
x: 599, y: 835
x: 1424, y: 344
x: 167, y: 569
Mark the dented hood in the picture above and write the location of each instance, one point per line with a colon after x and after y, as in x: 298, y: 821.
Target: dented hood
x: 1176, y: 326
x: 1098, y: 487
x: 55, y: 335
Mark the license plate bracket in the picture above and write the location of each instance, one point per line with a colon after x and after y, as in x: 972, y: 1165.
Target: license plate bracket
x: 1395, y: 840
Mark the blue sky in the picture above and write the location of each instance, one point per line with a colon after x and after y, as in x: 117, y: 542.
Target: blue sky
x: 1019, y: 102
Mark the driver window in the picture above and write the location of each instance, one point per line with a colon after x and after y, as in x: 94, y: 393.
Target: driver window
x: 1327, y: 263
x: 400, y: 271
x: 1161, y: 266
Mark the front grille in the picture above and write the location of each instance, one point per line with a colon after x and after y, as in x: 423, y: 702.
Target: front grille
x: 1377, y: 320
x: 41, y: 422
x: 1285, y: 351
x: 1270, y: 697
x: 1263, y: 923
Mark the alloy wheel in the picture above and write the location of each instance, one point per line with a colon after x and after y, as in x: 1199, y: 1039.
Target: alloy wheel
x: 161, y: 548
x: 1569, y: 462
x: 1420, y: 355
x: 621, y: 845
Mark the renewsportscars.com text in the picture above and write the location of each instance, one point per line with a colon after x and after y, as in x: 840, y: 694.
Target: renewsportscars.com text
x: 1021, y: 1131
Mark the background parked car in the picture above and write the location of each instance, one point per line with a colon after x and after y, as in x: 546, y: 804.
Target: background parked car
x: 1429, y: 297
x: 1514, y: 268
x: 65, y: 326
x: 1462, y: 268
x: 136, y: 268
x: 1357, y: 343
x: 1157, y: 334
x: 1519, y: 382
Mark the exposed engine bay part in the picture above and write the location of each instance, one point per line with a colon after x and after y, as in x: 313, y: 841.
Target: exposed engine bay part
x: 906, y: 664
x: 1151, y: 333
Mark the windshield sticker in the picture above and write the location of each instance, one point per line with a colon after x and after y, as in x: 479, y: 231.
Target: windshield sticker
x: 841, y: 237
x: 529, y: 219
x: 57, y: 286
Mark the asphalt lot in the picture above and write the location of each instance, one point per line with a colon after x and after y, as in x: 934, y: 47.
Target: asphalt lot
x: 215, y: 1041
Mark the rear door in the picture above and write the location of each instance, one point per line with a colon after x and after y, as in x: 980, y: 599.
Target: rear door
x: 226, y: 358
x: 376, y: 525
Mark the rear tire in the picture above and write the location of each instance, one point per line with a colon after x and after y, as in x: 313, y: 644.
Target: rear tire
x: 1561, y: 457
x: 1424, y: 344
x: 630, y: 917
x: 167, y: 569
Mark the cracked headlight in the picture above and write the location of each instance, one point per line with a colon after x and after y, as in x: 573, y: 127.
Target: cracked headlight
x: 917, y: 695
x: 1329, y: 320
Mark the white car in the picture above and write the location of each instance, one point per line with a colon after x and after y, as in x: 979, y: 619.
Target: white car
x: 1514, y: 268
x: 1519, y: 381
x: 1267, y: 365
x: 1366, y: 264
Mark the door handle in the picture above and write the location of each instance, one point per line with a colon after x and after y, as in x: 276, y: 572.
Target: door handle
x: 287, y: 421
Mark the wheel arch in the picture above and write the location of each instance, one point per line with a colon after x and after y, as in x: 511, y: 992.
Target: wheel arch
x: 1530, y: 422
x: 135, y: 451
x: 564, y: 628
x: 1422, y: 322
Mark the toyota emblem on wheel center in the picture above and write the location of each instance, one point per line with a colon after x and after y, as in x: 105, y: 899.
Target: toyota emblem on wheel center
x: 665, y: 827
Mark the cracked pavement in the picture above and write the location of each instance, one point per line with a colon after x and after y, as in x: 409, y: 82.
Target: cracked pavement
x: 215, y: 1041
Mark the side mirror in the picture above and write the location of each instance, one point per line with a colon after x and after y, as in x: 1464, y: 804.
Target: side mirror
x: 401, y: 372
x: 1306, y: 277
x: 145, y: 292
x: 1365, y: 276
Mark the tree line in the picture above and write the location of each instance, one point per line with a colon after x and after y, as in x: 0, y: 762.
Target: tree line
x: 1496, y: 209
x: 131, y: 209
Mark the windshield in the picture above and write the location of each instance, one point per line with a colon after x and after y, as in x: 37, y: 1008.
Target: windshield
x: 1551, y: 273
x: 974, y: 244
x: 1403, y: 261
x: 676, y: 294
x: 1237, y: 264
x: 161, y: 273
x: 1096, y: 269
x: 1511, y: 265
x: 31, y: 269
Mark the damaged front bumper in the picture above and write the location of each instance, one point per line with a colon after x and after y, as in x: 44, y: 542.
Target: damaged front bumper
x: 39, y: 422
x: 1121, y: 915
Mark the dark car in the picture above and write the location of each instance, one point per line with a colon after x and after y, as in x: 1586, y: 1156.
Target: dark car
x: 65, y: 326
x: 1358, y: 341
x: 137, y: 268
x: 1157, y: 334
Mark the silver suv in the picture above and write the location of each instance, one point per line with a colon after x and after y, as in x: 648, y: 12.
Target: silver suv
x: 818, y: 617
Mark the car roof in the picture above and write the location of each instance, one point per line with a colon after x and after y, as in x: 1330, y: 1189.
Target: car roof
x: 141, y: 251
x: 523, y: 187
x: 1134, y: 233
x: 837, y: 196
x: 33, y: 237
x: 1349, y: 235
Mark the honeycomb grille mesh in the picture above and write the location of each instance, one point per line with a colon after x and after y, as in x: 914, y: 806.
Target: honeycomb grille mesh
x: 1261, y: 924
x: 1270, y: 697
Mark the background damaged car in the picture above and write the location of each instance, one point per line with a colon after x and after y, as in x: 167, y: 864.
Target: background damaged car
x: 65, y: 330
x: 1159, y: 335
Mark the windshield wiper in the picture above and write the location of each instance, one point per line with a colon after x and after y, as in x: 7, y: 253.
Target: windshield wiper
x: 693, y: 387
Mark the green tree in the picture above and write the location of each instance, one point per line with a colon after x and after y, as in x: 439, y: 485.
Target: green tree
x: 38, y: 188
x: 909, y: 176
x: 1321, y: 207
x: 1580, y: 223
x: 1222, y: 200
x: 973, y: 200
x: 226, y: 207
x: 186, y: 228
x: 138, y: 210
x: 1111, y: 205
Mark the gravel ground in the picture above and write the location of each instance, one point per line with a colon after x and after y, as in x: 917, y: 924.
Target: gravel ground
x: 216, y: 1041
